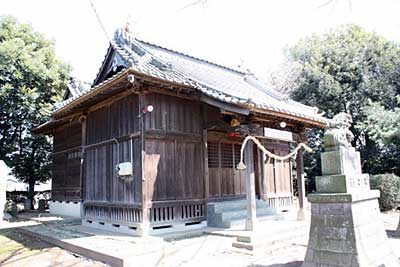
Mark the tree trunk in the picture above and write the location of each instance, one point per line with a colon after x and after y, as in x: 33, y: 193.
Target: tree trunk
x: 31, y: 192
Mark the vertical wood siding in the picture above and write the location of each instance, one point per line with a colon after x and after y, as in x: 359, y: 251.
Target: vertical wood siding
x: 174, y: 158
x: 173, y: 170
x: 102, y: 184
x: 225, y: 179
x: 277, y: 180
x: 66, y: 163
x: 102, y: 181
x: 172, y: 114
x: 116, y: 120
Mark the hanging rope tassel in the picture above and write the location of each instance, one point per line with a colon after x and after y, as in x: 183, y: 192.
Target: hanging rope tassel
x: 242, y: 166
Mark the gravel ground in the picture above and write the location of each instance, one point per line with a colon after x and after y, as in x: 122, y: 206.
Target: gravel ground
x: 204, y: 250
x: 217, y: 251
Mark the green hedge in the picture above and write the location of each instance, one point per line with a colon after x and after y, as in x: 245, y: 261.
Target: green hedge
x: 389, y: 186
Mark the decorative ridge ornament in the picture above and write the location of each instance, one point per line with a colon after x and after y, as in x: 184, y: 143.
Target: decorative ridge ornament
x: 242, y: 166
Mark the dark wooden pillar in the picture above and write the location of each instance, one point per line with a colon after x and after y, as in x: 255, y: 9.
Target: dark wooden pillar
x: 83, y: 121
x: 250, y: 188
x: 145, y: 227
x: 301, y: 187
x: 205, y: 162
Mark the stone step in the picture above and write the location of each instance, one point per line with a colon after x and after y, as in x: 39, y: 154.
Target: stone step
x: 227, y: 214
x: 217, y: 207
x: 269, y: 244
x: 239, y: 214
x: 279, y: 236
x: 242, y: 221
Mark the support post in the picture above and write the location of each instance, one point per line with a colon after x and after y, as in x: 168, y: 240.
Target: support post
x: 205, y: 162
x: 145, y: 226
x: 83, y: 121
x: 250, y: 188
x: 301, y: 187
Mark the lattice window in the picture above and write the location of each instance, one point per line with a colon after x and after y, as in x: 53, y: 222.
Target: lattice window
x: 226, y: 156
x: 213, y: 158
x: 74, y: 155
x: 236, y: 152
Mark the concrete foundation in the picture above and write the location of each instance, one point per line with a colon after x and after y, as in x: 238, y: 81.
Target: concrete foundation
x: 66, y: 208
x: 135, y: 230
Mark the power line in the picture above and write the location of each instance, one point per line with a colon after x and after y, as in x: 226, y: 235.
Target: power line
x: 99, y: 20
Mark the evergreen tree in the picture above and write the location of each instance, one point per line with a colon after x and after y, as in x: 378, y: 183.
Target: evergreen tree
x: 32, y: 79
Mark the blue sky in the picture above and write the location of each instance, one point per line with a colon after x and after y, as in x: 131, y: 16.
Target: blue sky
x: 230, y: 32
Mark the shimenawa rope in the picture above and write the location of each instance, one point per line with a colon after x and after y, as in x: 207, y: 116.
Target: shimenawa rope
x: 242, y: 166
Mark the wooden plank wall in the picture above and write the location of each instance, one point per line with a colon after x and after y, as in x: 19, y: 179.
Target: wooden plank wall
x: 277, y: 182
x: 174, y: 170
x: 225, y: 180
x: 173, y: 114
x: 66, y: 163
x: 173, y: 146
x: 105, y: 127
x: 116, y: 120
x: 102, y: 181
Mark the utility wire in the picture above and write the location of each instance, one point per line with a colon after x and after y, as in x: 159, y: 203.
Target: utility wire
x: 100, y: 22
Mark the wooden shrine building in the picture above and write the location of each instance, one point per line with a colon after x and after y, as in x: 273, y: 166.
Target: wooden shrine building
x: 157, y: 137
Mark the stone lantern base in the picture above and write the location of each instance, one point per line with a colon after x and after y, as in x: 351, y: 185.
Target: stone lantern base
x: 347, y: 230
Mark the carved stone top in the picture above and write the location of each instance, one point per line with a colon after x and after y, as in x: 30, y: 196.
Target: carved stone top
x: 337, y: 134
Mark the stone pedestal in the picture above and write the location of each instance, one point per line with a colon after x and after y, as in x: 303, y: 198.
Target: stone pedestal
x: 346, y: 227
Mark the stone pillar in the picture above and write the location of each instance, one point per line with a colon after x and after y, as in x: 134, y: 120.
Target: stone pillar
x: 398, y: 229
x: 346, y: 225
x: 250, y: 188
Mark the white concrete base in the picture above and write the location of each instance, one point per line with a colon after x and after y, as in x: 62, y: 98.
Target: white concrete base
x: 177, y: 228
x: 66, y: 208
x: 118, y: 228
x: 136, y: 230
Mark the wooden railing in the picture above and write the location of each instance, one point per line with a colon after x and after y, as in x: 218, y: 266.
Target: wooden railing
x: 278, y: 200
x: 121, y: 213
x: 178, y: 211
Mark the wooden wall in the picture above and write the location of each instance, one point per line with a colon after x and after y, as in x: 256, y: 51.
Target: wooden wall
x: 173, y: 114
x: 174, y: 156
x: 277, y: 185
x: 174, y: 170
x: 112, y: 121
x: 224, y: 179
x: 107, y: 144
x: 102, y: 183
x: 66, y: 163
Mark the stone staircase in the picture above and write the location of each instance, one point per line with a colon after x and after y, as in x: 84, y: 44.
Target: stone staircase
x: 272, y: 238
x: 227, y: 214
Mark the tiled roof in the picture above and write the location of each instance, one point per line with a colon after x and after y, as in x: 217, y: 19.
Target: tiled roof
x: 216, y: 81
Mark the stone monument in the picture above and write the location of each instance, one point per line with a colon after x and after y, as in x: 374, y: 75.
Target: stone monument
x: 346, y: 226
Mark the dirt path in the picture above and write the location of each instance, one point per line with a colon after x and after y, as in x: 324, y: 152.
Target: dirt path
x: 20, y: 250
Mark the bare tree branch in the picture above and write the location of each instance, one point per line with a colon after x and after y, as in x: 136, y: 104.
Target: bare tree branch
x: 195, y: 3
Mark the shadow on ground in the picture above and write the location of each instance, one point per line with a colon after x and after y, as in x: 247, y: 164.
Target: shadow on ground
x: 14, y: 246
x: 287, y: 264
